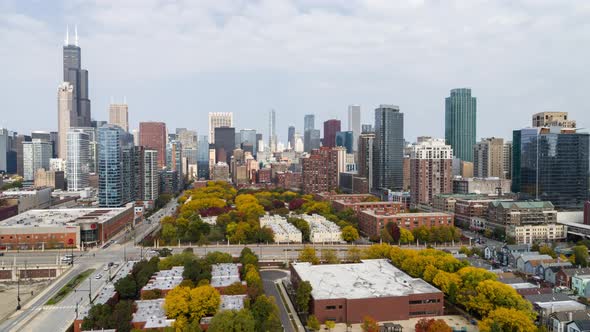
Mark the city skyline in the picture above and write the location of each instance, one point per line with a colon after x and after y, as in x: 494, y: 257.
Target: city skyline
x: 537, y: 84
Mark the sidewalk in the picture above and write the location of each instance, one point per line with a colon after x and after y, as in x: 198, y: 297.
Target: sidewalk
x: 290, y: 308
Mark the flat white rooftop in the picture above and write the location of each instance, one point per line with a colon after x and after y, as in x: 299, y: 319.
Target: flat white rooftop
x: 152, y: 313
x: 59, y: 217
x: 224, y: 274
x: 562, y: 306
x: 232, y: 302
x: 369, y: 279
x: 165, y: 279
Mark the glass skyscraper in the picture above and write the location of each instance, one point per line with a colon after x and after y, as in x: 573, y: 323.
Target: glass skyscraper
x: 345, y: 139
x: 77, y: 164
x: 308, y: 122
x: 551, y: 164
x: 203, y: 157
x: 110, y: 166
x: 388, y: 148
x: 460, y: 123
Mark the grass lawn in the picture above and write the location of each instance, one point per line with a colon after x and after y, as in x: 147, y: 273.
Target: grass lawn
x: 69, y: 287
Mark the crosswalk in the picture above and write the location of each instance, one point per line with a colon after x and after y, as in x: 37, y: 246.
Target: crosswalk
x: 56, y: 307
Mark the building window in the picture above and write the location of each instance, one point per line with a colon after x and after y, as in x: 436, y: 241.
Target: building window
x: 331, y: 307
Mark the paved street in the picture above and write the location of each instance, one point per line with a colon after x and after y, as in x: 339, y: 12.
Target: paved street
x: 35, y: 316
x: 268, y: 280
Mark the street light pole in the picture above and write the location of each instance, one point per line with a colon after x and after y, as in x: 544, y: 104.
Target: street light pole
x: 90, y: 289
x: 17, y: 290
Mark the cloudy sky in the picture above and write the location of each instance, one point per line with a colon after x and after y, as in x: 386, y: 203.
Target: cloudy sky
x: 175, y: 61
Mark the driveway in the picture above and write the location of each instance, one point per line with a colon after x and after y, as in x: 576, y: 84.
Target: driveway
x: 268, y: 282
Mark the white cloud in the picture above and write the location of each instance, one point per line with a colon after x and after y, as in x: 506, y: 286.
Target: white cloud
x: 518, y: 56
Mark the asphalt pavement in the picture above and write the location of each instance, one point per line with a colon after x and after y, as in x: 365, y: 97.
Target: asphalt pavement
x: 268, y: 283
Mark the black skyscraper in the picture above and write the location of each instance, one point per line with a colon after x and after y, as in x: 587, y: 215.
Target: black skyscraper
x: 78, y: 78
x: 388, y: 148
x: 224, y: 143
x: 291, y: 137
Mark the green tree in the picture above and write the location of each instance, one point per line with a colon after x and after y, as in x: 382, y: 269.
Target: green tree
x: 547, y: 250
x: 385, y: 236
x: 266, y: 314
x: 217, y: 257
x: 151, y: 294
x: 313, y: 323
x: 126, y: 288
x: 302, y: 296
x: 247, y: 256
x: 405, y: 236
x: 234, y: 289
x: 233, y: 321
x: 353, y: 254
x: 350, y: 234
x: 302, y: 226
x: 254, y: 282
x: 99, y: 317
x: 330, y: 324
x: 121, y: 317
x: 329, y: 256
x: 581, y: 255
x: 196, y: 270
x: 308, y: 254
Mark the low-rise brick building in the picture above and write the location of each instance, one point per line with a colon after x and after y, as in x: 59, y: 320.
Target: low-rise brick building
x: 61, y: 228
x: 391, y: 207
x: 345, y: 293
x: 371, y: 222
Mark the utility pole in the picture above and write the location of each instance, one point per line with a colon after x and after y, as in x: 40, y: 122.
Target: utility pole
x: 17, y: 290
x: 90, y: 289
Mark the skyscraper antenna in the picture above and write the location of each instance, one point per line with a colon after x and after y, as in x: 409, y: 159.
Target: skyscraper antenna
x: 124, y: 99
x: 76, y: 34
x: 67, y: 41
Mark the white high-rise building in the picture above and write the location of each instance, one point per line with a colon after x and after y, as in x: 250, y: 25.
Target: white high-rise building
x: 151, y: 178
x: 135, y: 133
x: 66, y: 116
x: 354, y: 123
x: 298, y: 143
x: 3, y: 149
x: 219, y: 119
x: 36, y: 155
x: 272, y: 131
x: 119, y: 115
x: 431, y: 148
x: 77, y: 163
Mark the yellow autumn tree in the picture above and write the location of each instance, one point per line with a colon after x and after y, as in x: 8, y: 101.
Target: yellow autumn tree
x: 308, y: 254
x: 507, y: 319
x: 491, y: 295
x: 187, y: 304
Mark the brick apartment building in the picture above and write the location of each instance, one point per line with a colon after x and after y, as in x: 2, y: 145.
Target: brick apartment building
x: 390, y: 207
x: 288, y: 180
x: 386, y: 293
x: 152, y: 135
x: 347, y: 198
x: 320, y: 171
x: 371, y: 222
